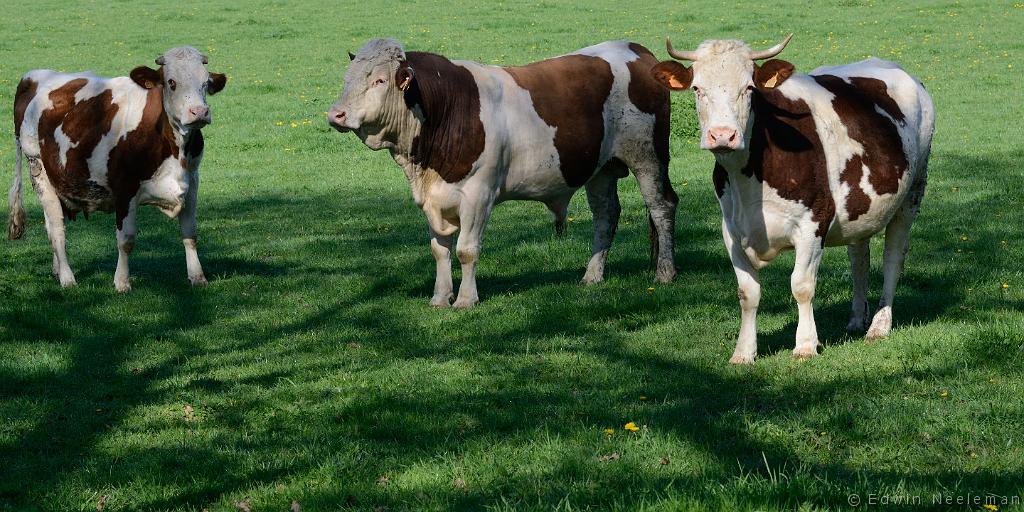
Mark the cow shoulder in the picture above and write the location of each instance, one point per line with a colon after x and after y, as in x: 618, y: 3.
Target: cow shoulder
x: 859, y: 103
x: 786, y: 154
x: 569, y: 94
x: 137, y: 156
x: 650, y: 97
x: 451, y: 137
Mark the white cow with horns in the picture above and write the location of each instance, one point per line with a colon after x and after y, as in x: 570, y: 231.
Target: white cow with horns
x: 808, y: 161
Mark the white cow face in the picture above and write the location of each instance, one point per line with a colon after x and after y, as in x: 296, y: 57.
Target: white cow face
x: 724, y: 79
x: 184, y: 83
x: 375, y: 81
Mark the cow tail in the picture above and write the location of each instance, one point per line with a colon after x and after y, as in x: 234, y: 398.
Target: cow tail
x: 16, y: 218
x: 653, y: 247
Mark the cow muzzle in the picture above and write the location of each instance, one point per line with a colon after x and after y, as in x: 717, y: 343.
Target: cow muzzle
x: 340, y: 120
x: 722, y: 140
x: 198, y: 117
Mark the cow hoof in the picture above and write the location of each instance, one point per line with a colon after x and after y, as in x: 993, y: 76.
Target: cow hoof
x: 857, y: 326
x: 873, y: 336
x: 741, y: 359
x: 198, y: 281
x: 803, y: 354
x: 589, y: 279
x: 67, y: 281
x: 441, y: 301
x: 462, y: 303
x: 124, y: 287
x: 665, y: 276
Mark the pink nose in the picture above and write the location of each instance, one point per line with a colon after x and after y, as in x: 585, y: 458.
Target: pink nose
x: 200, y: 113
x: 336, y: 118
x: 723, y: 138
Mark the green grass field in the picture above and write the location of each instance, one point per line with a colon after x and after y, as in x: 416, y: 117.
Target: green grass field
x: 312, y: 369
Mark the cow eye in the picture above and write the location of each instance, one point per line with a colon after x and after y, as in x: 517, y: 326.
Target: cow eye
x: 750, y: 88
x: 172, y: 84
x: 379, y: 81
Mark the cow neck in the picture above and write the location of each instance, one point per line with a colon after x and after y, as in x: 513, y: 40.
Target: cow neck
x: 403, y: 124
x: 168, y: 136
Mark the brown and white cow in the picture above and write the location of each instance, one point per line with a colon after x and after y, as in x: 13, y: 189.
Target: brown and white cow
x: 808, y: 161
x: 469, y: 136
x: 112, y: 144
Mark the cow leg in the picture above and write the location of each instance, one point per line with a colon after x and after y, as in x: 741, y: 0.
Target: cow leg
x: 803, y: 282
x: 125, y: 245
x: 860, y: 265
x: 441, y: 248
x: 748, y: 289
x: 661, y: 203
x: 187, y: 222
x: 54, y: 214
x: 473, y: 217
x: 897, y: 242
x: 603, y: 196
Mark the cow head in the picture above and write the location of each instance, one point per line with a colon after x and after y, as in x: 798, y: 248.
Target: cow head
x: 375, y: 83
x: 724, y: 76
x: 184, y: 83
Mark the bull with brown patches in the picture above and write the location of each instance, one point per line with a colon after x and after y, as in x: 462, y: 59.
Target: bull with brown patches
x: 469, y: 136
x: 808, y: 161
x: 112, y: 144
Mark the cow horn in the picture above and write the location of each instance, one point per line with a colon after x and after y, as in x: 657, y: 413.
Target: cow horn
x: 771, y: 52
x: 678, y: 54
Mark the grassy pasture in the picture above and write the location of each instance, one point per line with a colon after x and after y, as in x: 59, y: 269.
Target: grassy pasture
x: 312, y: 369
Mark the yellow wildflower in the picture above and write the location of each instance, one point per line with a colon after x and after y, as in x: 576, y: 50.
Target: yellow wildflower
x: 631, y: 427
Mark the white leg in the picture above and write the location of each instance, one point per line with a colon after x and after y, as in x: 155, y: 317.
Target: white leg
x: 803, y: 282
x: 749, y: 292
x: 187, y: 222
x: 125, y: 245
x: 860, y: 265
x: 661, y: 203
x: 54, y: 214
x: 603, y: 197
x: 441, y: 248
x: 472, y: 219
x: 897, y: 242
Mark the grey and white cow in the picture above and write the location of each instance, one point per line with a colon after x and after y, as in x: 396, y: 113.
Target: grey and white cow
x: 112, y: 144
x: 808, y: 161
x: 470, y: 136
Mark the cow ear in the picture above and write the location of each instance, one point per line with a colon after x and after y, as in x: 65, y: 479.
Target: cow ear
x: 404, y: 77
x: 772, y: 73
x: 673, y: 75
x: 351, y: 56
x: 146, y: 77
x: 217, y: 82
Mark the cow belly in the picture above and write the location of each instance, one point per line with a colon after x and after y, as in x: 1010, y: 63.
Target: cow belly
x: 166, y: 189
x: 845, y: 231
x: 535, y: 177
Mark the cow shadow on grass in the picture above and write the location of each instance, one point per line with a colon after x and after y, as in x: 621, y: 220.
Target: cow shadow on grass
x: 442, y: 390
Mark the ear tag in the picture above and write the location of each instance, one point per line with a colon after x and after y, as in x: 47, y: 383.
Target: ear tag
x: 405, y: 83
x: 770, y: 83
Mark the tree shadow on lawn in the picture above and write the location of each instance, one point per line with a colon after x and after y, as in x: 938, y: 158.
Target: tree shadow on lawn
x: 95, y: 394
